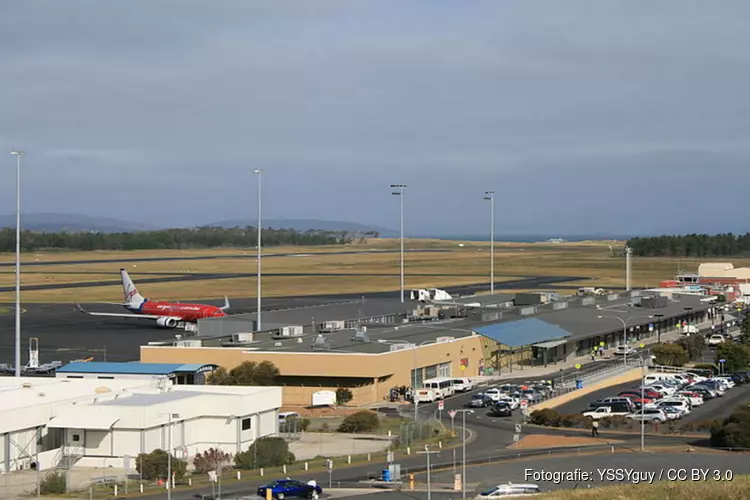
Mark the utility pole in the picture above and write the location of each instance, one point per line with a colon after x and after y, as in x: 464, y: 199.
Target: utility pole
x: 260, y: 267
x: 400, y: 193
x: 463, y: 446
x: 429, y: 479
x: 490, y: 195
x: 18, y: 155
x: 628, y: 266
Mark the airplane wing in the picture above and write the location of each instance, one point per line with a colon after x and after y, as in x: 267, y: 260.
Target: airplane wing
x: 125, y: 315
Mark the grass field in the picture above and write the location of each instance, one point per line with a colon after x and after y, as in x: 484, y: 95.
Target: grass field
x: 463, y: 263
x: 737, y: 489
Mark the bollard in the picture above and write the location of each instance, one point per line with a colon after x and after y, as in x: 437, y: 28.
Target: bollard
x: 411, y: 481
x: 368, y: 457
x: 613, y: 449
x: 349, y: 459
x: 283, y: 468
x: 269, y: 493
x: 261, y: 472
x: 408, y: 450
x: 440, y: 445
x: 239, y: 475
x: 389, y: 433
x: 306, y: 466
x: 190, y: 481
x: 115, y: 490
x: 140, y: 487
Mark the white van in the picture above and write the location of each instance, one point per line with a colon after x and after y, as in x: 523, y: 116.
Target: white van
x: 434, y: 389
x: 462, y: 384
x: 652, y: 378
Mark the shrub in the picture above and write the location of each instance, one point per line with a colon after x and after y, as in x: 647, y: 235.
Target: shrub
x: 211, y: 459
x: 693, y: 345
x: 669, y: 355
x: 574, y: 420
x: 736, y: 357
x: 547, y: 417
x: 53, y: 484
x: 706, y: 366
x: 154, y: 465
x: 343, y: 396
x: 734, y: 432
x: 362, y: 421
x: 265, y: 452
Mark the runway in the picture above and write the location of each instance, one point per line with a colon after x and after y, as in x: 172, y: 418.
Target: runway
x: 65, y: 334
x: 250, y: 254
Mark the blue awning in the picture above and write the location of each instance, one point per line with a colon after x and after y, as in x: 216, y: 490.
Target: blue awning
x: 522, y: 332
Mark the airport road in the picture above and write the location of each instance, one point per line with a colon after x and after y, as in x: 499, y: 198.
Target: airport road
x: 658, y: 464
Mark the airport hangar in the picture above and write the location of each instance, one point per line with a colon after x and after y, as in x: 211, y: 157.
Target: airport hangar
x: 98, y: 422
x: 374, y: 346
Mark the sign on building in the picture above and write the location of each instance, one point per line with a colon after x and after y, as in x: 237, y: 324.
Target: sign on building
x: 324, y: 398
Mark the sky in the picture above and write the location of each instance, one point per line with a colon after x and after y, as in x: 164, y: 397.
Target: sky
x: 585, y: 117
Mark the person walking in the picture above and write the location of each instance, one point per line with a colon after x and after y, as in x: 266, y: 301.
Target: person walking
x: 595, y: 428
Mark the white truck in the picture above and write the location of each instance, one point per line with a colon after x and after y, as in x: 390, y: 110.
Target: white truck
x: 604, y: 411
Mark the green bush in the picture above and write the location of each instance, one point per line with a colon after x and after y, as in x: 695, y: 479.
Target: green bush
x: 736, y: 356
x: 154, y: 465
x: 546, y: 417
x: 265, y: 452
x: 211, y: 459
x: 575, y: 420
x: 53, y: 484
x: 343, y: 396
x: 362, y: 421
x: 669, y: 355
x: 734, y: 432
x: 693, y: 345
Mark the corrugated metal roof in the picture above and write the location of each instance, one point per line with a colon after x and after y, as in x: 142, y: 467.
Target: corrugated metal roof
x: 122, y: 368
x: 551, y: 344
x: 522, y: 332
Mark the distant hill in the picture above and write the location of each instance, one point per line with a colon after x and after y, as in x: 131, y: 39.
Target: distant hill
x: 306, y: 224
x: 72, y: 223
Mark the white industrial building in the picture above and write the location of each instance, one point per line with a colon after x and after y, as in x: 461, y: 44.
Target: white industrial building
x: 90, y: 422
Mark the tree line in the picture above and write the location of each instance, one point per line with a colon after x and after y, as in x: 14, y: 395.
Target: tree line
x: 201, y: 237
x: 691, y: 245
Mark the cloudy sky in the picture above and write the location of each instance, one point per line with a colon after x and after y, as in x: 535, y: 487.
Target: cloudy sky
x: 584, y: 116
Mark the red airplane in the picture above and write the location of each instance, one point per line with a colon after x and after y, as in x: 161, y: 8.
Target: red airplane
x: 166, y: 314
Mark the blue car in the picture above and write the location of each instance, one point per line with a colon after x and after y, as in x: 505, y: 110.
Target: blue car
x: 288, y: 488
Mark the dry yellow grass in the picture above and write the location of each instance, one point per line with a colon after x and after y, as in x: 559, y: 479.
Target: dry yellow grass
x: 737, y: 489
x: 459, y: 265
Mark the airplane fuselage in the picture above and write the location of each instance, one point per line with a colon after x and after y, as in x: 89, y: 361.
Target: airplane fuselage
x: 186, y: 312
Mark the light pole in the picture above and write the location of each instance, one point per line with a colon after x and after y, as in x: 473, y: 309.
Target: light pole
x: 260, y: 268
x: 463, y: 449
x: 400, y: 193
x: 490, y: 195
x: 18, y: 155
x: 169, y: 456
x: 429, y: 480
x: 625, y: 331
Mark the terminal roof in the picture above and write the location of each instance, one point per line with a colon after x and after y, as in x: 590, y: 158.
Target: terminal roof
x: 132, y: 368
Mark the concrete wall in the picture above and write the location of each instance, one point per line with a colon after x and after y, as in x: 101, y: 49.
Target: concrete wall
x: 629, y: 376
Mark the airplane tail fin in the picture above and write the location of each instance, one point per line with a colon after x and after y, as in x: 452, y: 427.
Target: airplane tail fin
x: 132, y: 297
x: 226, y: 304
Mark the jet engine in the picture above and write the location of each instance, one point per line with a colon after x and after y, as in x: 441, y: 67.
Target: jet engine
x: 167, y: 322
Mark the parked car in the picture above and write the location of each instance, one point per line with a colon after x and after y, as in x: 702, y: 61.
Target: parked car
x: 649, y: 415
x: 605, y: 411
x: 671, y: 412
x: 509, y: 490
x: 501, y: 409
x: 726, y: 380
x: 703, y: 392
x: 479, y: 401
x: 635, y: 397
x: 513, y: 402
x: 694, y: 398
x: 681, y: 405
x: 715, y: 339
x: 289, y: 488
x: 623, y: 350
x: 493, y: 393
x: 531, y: 395
x: 664, y: 389
x: 624, y: 400
x: 462, y: 384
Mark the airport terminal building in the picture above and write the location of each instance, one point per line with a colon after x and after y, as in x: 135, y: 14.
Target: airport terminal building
x: 401, y: 348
